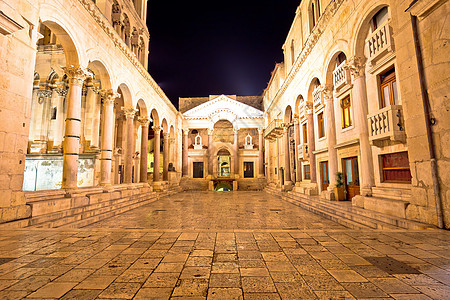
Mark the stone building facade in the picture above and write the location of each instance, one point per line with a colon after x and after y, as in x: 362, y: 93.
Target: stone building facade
x: 80, y: 115
x: 347, y: 99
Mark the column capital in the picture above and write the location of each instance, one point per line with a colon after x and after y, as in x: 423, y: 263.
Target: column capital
x: 61, y: 92
x: 356, y: 65
x: 235, y: 130
x: 295, y: 119
x: 109, y: 96
x: 129, y: 112
x: 185, y: 131
x: 210, y: 131
x: 145, y: 121
x: 327, y: 93
x: 76, y: 74
x: 286, y: 127
x: 157, y: 129
x: 260, y: 131
x: 166, y: 135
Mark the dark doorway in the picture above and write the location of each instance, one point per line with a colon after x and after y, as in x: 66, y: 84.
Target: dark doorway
x: 282, y: 175
x: 198, y: 170
x: 351, y: 175
x: 248, y: 169
x: 324, y: 177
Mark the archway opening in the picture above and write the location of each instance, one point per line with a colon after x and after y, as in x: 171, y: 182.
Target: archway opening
x: 223, y: 163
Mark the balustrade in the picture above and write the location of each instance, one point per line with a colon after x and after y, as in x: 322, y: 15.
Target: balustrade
x: 386, y: 124
x: 379, y: 42
x: 341, y: 76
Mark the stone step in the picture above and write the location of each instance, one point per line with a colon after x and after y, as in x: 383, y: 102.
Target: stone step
x: 397, y: 193
x: 346, y: 222
x: 75, y: 214
x: 392, y: 207
x: 366, y: 216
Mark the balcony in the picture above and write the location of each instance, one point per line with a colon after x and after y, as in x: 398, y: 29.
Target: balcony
x: 317, y: 96
x: 303, y: 153
x: 274, y: 130
x: 379, y: 42
x: 386, y: 124
x: 341, y: 76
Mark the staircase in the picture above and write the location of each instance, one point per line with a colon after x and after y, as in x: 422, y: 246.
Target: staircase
x: 346, y: 214
x: 57, y: 209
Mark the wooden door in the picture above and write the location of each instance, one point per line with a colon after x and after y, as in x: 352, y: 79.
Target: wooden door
x: 248, y: 169
x: 324, y: 177
x: 198, y: 170
x: 351, y: 175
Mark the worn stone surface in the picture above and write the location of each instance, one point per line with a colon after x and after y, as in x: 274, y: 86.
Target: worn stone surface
x: 205, y: 256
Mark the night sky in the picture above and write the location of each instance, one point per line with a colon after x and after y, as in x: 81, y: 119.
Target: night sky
x: 201, y: 48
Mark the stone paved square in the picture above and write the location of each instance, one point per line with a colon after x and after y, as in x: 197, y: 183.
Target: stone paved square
x: 196, y: 245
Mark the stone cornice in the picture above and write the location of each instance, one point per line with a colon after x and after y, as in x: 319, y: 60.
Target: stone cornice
x: 103, y: 22
x: 322, y: 24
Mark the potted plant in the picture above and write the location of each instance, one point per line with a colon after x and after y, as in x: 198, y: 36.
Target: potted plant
x: 339, y: 190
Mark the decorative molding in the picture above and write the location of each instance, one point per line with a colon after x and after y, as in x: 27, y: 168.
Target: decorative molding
x: 76, y: 74
x: 145, y: 121
x: 312, y: 40
x: 104, y: 23
x: 8, y: 25
x: 109, y: 96
x: 356, y: 65
x: 129, y: 112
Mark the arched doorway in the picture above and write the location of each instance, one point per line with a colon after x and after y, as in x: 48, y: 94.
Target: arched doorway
x: 223, y: 163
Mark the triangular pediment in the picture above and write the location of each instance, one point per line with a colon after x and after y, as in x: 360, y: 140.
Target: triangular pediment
x: 223, y: 105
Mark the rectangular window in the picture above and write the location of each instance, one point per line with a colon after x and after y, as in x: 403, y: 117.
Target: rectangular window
x: 395, y: 167
x: 388, y: 88
x: 198, y: 170
x: 346, y: 114
x: 321, y: 125
x: 248, y: 169
x: 307, y: 171
x: 305, y: 133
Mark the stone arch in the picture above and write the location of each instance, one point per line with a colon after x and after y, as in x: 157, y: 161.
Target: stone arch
x: 298, y: 101
x: 172, y: 132
x: 340, y: 47
x: 315, y: 82
x: 155, y: 117
x: 101, y: 73
x: 142, y: 108
x: 124, y: 90
x: 50, y: 17
x: 164, y: 125
x: 362, y: 25
x: 288, y: 114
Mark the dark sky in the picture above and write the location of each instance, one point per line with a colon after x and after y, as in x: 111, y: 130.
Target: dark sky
x: 199, y: 48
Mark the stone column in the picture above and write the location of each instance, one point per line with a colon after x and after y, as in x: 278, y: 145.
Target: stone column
x: 210, y: 152
x: 330, y: 128
x: 76, y: 76
x: 261, y: 152
x: 166, y: 156
x: 129, y: 151
x: 107, y: 136
x: 298, y: 170
x: 59, y: 123
x: 95, y: 120
x: 145, y: 121
x: 236, y: 150
x: 157, y: 146
x: 185, y: 152
x: 359, y: 92
x: 311, y: 143
x: 287, y: 161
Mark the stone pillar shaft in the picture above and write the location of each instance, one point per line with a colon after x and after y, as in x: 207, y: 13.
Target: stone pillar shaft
x: 331, y: 138
x: 107, y: 136
x: 298, y: 170
x: 287, y: 161
x: 359, y: 92
x: 185, y: 153
x: 156, y: 153
x: 59, y: 123
x: 76, y: 77
x: 311, y: 146
x: 166, y: 157
x: 129, y: 137
x: 144, y: 149
x: 210, y: 153
x: 261, y: 152
x: 95, y: 121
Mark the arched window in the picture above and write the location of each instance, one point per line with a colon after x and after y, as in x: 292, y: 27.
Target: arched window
x: 292, y: 52
x: 379, y: 19
x: 314, y: 13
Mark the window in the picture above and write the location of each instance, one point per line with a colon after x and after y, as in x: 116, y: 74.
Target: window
x: 388, y: 88
x: 346, y: 115
x: 292, y: 52
x: 305, y: 133
x: 380, y: 17
x: 395, y: 167
x: 321, y: 125
x: 307, y: 171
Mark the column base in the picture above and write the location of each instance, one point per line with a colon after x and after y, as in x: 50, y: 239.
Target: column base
x: 366, y: 191
x: 328, y: 195
x: 288, y: 186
